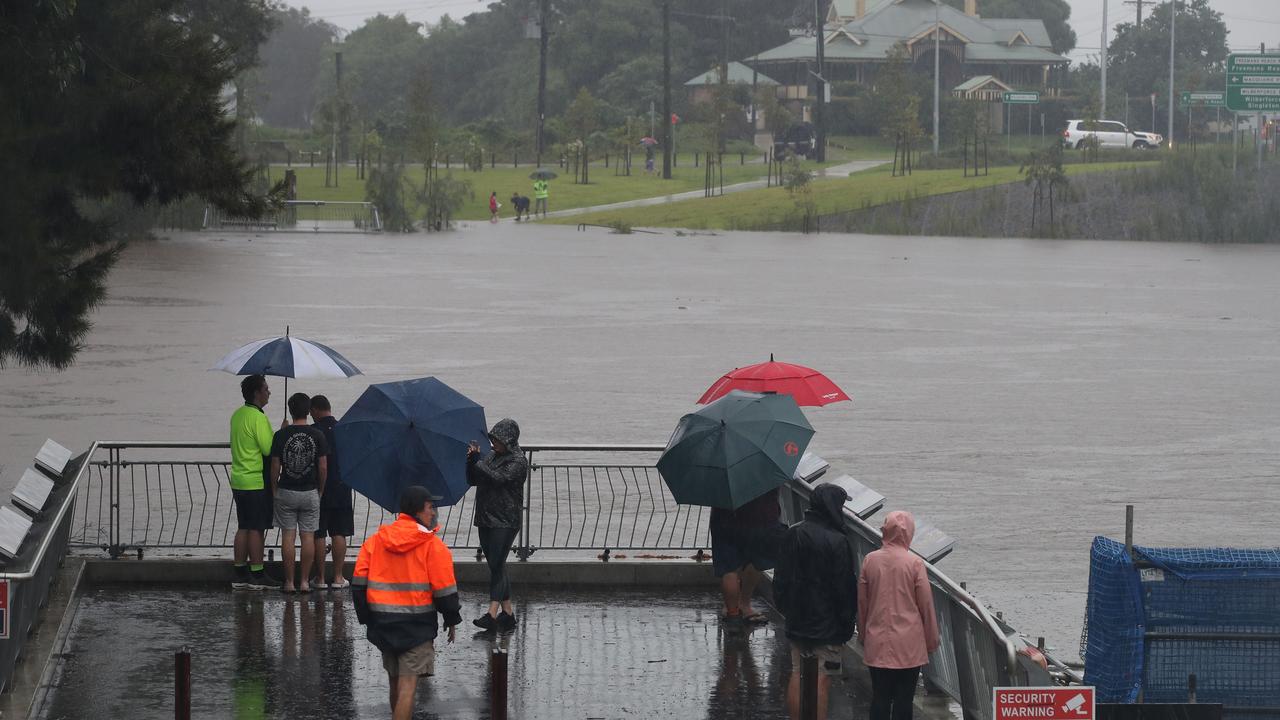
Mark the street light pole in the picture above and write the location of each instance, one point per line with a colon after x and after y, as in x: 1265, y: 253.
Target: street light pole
x: 667, y: 136
x: 1173, y: 29
x: 542, y: 75
x: 937, y: 65
x: 1104, y: 60
x: 819, y: 115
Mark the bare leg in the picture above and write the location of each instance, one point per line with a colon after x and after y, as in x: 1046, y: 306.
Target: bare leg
x: 731, y: 589
x: 240, y: 553
x: 508, y: 608
x: 793, y: 694
x: 339, y: 558
x: 256, y: 541
x: 750, y: 577
x: 319, y: 557
x: 405, y: 688
x: 308, y: 556
x: 286, y: 556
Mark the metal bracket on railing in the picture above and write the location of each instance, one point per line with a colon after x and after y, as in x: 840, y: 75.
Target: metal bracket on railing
x: 479, y: 554
x: 524, y: 552
x: 604, y: 556
x: 701, y: 556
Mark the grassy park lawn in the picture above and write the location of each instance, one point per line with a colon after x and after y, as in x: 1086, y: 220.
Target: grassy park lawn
x: 605, y: 186
x: 755, y: 208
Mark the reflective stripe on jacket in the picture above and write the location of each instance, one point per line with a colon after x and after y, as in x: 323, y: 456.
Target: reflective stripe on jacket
x: 403, y: 579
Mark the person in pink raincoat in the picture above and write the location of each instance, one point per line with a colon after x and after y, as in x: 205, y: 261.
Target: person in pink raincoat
x: 897, y: 626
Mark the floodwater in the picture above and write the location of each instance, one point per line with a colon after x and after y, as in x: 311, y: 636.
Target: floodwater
x: 1015, y: 393
x: 594, y: 654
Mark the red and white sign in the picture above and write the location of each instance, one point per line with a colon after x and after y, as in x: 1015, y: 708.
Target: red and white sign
x: 1044, y: 703
x: 4, y: 609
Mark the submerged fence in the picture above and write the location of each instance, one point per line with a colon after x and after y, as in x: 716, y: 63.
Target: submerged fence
x: 1157, y: 615
x: 302, y: 215
x: 175, y: 497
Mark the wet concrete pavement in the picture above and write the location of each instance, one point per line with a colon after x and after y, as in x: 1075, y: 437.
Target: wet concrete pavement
x: 612, y: 653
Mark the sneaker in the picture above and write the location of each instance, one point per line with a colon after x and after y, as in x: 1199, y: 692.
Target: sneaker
x: 260, y: 581
x: 486, y: 622
x: 240, y: 580
x: 506, y: 622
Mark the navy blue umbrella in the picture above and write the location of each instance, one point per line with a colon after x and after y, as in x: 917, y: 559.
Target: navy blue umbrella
x: 412, y: 432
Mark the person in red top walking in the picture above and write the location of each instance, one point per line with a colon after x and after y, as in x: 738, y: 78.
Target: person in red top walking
x: 402, y: 582
x: 493, y: 206
x: 897, y: 626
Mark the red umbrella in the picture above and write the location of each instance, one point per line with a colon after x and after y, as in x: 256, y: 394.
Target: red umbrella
x: 805, y: 385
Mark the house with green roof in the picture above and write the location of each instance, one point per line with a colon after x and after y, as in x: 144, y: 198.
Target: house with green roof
x: 701, y: 88
x: 859, y: 36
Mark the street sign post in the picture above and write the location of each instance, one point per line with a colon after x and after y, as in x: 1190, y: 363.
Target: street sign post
x: 1044, y: 703
x: 1023, y: 98
x: 1201, y: 98
x: 1253, y: 83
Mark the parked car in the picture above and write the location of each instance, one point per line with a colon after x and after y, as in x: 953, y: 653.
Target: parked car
x: 1110, y: 134
x: 798, y: 139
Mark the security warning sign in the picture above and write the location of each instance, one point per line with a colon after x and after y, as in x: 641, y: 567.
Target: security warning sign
x: 4, y: 609
x: 1044, y: 703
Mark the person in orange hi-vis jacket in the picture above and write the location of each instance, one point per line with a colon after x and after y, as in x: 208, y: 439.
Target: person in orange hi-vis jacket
x: 403, y: 582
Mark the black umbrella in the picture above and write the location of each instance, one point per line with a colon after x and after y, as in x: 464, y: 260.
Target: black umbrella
x: 543, y: 174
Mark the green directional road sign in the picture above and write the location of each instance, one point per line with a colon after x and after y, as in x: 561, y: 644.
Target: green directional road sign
x: 1201, y: 98
x: 1253, y: 83
x: 1021, y: 98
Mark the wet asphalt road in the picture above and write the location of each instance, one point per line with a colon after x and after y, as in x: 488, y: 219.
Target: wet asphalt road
x: 1015, y: 393
x: 600, y: 654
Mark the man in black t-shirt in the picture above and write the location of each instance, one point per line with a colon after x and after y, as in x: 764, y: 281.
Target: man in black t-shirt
x: 337, y: 519
x: 299, y: 468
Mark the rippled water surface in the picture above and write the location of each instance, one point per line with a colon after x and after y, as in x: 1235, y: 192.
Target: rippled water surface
x: 1015, y: 393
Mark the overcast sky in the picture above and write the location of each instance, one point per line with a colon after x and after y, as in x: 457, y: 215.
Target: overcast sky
x: 1250, y: 22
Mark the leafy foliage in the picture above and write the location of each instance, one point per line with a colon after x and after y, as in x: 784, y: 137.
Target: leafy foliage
x: 102, y: 100
x: 285, y: 95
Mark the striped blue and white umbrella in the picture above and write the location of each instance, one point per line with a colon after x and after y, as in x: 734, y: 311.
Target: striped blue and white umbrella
x: 290, y: 357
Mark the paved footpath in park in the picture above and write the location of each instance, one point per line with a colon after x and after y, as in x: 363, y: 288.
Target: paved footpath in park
x: 833, y: 171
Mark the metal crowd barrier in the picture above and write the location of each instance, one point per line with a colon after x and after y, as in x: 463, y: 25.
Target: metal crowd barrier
x: 308, y: 215
x: 166, y: 498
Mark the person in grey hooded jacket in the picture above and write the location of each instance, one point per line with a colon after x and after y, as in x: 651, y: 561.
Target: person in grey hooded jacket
x: 499, y: 482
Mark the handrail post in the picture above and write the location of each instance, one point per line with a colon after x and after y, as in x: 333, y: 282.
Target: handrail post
x: 523, y: 551
x: 498, y: 684
x: 182, y: 684
x: 113, y: 497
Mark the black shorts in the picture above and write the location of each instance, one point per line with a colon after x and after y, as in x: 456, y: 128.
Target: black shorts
x: 733, y: 548
x: 254, y: 509
x: 336, y: 522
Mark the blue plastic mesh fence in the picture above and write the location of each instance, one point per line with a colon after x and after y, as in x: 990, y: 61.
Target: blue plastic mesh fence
x: 1214, y: 612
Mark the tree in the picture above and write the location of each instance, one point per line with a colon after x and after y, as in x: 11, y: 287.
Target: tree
x: 1054, y: 13
x: 1044, y: 173
x: 380, y: 60
x: 291, y: 64
x: 103, y: 100
x: 582, y: 117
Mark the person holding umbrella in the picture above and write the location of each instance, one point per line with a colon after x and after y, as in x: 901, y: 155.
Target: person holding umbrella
x: 499, y: 482
x: 250, y: 444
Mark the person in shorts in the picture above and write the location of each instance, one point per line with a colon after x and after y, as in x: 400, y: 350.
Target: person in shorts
x: 299, y: 466
x: 337, y: 518
x: 744, y: 543
x: 402, y: 586
x: 250, y: 445
x: 816, y: 589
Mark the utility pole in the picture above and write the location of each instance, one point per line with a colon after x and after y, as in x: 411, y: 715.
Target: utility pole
x: 1173, y: 27
x: 1139, y: 3
x: 666, y: 89
x: 1104, y: 60
x: 937, y: 66
x: 542, y: 74
x: 724, y: 74
x: 819, y: 119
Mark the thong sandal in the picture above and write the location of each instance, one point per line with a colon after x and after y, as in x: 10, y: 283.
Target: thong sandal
x: 756, y: 618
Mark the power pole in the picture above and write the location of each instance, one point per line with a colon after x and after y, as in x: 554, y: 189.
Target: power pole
x: 1173, y: 28
x: 542, y: 74
x: 819, y: 120
x: 724, y: 73
x: 1103, y: 114
x: 937, y: 68
x: 666, y: 89
x: 1139, y: 3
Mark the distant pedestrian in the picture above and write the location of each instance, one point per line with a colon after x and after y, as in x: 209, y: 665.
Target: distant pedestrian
x: 648, y: 160
x: 337, y: 518
x: 403, y: 583
x: 897, y: 626
x: 250, y: 446
x: 541, y: 191
x: 299, y: 465
x: 816, y: 588
x: 744, y: 543
x: 493, y: 206
x: 499, y: 481
x: 515, y: 205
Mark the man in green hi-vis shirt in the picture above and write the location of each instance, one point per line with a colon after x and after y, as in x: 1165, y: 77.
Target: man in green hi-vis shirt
x: 250, y: 442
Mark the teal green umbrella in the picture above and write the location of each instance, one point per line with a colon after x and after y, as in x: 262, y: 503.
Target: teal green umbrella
x: 735, y: 449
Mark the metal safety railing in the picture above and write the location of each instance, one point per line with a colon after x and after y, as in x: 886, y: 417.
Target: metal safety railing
x: 175, y: 497
x: 304, y: 215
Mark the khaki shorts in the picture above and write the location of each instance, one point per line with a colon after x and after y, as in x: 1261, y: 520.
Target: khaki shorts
x: 419, y: 661
x: 829, y: 657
